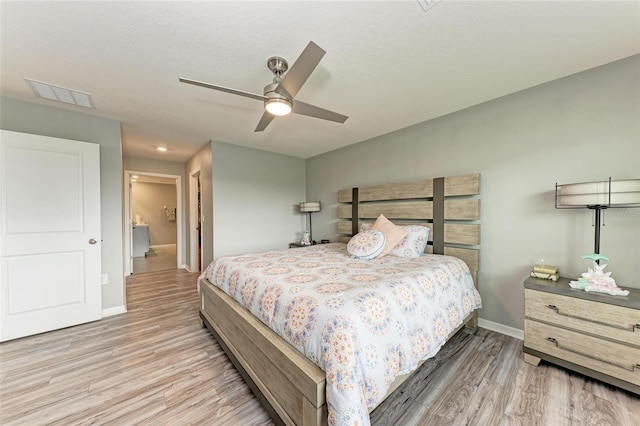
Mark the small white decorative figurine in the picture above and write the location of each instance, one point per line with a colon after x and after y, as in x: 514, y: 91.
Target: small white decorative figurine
x: 596, y: 280
x: 305, y: 239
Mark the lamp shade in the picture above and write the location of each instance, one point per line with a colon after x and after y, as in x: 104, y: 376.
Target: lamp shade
x: 598, y: 197
x: 310, y: 207
x: 619, y: 193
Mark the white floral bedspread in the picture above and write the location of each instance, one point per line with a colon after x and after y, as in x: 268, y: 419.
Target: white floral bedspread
x: 362, y: 321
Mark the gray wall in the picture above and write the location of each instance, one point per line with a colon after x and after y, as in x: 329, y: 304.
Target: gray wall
x: 44, y: 120
x: 150, y: 165
x: 201, y: 160
x: 149, y: 201
x: 255, y: 199
x: 583, y: 127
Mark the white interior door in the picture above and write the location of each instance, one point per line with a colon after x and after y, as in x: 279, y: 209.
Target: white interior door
x: 50, y: 227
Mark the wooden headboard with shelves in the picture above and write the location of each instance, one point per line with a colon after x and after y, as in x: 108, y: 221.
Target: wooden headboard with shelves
x: 449, y: 206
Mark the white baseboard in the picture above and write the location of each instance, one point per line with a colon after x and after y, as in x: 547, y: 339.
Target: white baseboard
x: 116, y: 310
x: 185, y: 266
x: 163, y: 245
x: 501, y: 328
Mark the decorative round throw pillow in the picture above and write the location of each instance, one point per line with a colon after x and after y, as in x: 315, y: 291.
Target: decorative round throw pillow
x: 366, y: 245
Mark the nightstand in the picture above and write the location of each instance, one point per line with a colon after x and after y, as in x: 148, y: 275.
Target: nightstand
x: 296, y: 245
x: 592, y: 333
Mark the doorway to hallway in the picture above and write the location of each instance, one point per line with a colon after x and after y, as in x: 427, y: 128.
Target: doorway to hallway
x: 153, y: 237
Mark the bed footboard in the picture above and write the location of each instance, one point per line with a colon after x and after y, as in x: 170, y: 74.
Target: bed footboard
x: 291, y: 386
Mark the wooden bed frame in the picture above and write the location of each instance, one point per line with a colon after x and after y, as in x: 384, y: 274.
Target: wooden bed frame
x: 289, y: 386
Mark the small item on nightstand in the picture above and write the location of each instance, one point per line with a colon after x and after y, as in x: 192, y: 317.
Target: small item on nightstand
x: 596, y: 280
x: 545, y: 272
x: 305, y: 239
x: 545, y: 276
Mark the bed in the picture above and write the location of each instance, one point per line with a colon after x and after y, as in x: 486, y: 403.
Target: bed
x: 293, y: 388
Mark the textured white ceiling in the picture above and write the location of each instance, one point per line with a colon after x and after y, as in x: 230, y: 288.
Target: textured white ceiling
x: 388, y: 65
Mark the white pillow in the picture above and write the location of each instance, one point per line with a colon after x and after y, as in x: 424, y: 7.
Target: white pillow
x: 366, y: 245
x: 412, y: 245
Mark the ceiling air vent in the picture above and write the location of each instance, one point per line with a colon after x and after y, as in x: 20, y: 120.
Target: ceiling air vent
x: 60, y: 94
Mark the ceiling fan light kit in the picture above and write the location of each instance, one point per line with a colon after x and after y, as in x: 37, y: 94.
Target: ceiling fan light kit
x: 276, y: 103
x: 279, y: 96
x: 277, y: 106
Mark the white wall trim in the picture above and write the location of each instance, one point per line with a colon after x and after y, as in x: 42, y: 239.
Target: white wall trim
x: 194, y: 220
x: 501, y: 328
x: 185, y: 266
x: 116, y: 310
x: 127, y: 225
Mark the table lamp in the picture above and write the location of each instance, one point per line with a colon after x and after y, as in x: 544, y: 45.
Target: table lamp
x: 310, y: 207
x: 599, y: 196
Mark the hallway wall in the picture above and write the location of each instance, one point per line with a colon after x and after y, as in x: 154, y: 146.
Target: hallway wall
x: 148, y: 200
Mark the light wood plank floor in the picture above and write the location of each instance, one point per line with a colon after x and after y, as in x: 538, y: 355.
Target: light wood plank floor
x: 155, y: 365
x: 158, y: 258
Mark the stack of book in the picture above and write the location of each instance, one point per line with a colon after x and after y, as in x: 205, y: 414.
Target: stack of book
x: 546, y: 272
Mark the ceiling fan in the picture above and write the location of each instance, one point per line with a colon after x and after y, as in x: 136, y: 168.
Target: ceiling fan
x: 279, y: 96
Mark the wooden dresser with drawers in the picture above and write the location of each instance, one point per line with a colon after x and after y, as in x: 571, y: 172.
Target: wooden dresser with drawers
x: 592, y: 333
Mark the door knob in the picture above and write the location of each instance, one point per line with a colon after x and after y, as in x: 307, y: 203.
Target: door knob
x: 92, y: 241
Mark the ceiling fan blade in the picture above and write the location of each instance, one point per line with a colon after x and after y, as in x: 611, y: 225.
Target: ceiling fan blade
x: 314, y: 111
x: 264, y: 122
x: 223, y: 89
x: 301, y: 70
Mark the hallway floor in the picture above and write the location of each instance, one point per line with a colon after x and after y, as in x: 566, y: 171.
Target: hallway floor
x: 158, y: 258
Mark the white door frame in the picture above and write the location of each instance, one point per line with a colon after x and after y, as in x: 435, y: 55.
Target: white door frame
x: 194, y: 220
x: 128, y: 221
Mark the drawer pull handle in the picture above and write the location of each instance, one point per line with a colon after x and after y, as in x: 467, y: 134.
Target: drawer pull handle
x: 632, y: 329
x: 564, y: 348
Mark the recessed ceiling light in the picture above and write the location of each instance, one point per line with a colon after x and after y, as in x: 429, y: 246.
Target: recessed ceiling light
x: 135, y: 176
x: 61, y: 94
x: 134, y: 180
x: 161, y: 148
